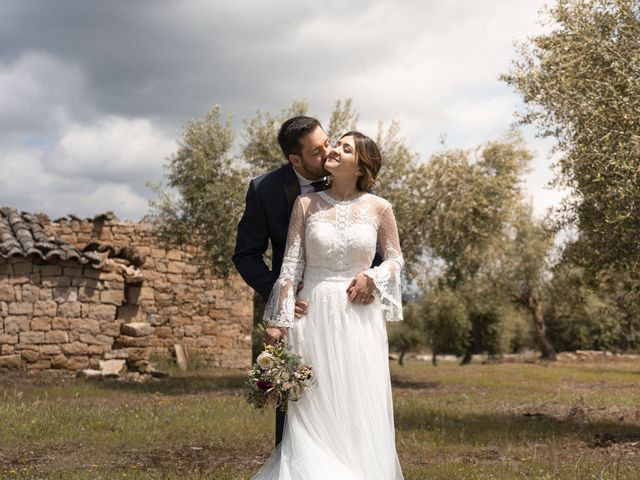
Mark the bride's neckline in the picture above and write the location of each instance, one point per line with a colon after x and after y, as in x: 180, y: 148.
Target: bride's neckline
x: 335, y: 201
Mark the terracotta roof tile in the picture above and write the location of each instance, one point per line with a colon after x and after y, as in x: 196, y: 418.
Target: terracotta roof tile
x: 22, y: 234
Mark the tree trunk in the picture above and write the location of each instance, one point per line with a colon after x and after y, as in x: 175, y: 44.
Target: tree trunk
x: 534, y: 304
x: 401, y: 358
x: 466, y: 360
x: 434, y: 359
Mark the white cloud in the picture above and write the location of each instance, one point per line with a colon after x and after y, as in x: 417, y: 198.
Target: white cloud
x: 113, y: 149
x: 91, y: 99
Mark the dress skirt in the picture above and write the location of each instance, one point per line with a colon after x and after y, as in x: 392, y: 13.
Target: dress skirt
x: 342, y: 427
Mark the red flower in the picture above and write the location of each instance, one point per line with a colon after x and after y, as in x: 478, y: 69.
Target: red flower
x: 263, y: 385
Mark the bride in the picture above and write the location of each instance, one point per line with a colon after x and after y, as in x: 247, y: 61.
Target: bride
x: 342, y: 427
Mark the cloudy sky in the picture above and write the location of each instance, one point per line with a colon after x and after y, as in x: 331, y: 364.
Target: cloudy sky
x: 93, y: 94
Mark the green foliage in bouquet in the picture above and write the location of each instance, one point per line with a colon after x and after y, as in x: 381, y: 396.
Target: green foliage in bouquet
x: 277, y: 377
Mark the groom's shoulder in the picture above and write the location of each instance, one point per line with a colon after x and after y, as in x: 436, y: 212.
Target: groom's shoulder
x: 274, y: 179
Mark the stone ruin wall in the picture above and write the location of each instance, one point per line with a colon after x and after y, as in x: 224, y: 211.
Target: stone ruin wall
x: 70, y: 316
x: 58, y: 315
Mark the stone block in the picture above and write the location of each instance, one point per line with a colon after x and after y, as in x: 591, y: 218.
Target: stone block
x: 42, y: 364
x: 109, y: 327
x: 22, y: 268
x: 98, y: 350
x: 46, y: 308
x: 102, y: 312
x: 99, y: 339
x: 69, y: 309
x: 163, y: 332
x: 174, y: 255
x: 76, y: 363
x: 30, y: 293
x: 20, y: 308
x: 84, y: 325
x: 59, y: 361
x: 146, y: 293
x: 18, y: 279
x: 4, y: 311
x: 110, y: 276
x: 136, y: 329
x: 16, y: 324
x: 50, y: 270
x: 114, y: 296
x: 127, y: 341
x: 8, y: 339
x: 10, y: 361
x: 225, y: 342
x: 65, y: 294
x: 89, y: 373
x: 45, y: 294
x: 7, y: 293
x: 192, y: 330
x: 49, y: 349
x: 75, y: 348
x: 113, y: 368
x: 30, y: 355
x: 209, y: 328
x: 207, y: 342
x: 72, y: 272
x: 116, y: 354
x: 6, y: 349
x: 41, y: 323
x: 56, y: 336
x: 31, y: 338
x: 60, y: 323
x: 175, y: 267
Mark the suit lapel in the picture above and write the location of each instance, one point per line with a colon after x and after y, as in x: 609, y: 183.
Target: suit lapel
x: 291, y: 187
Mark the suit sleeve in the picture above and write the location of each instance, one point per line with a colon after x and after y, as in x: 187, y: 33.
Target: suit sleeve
x: 251, y: 244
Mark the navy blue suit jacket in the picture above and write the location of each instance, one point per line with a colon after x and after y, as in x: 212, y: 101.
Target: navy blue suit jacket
x: 268, y: 207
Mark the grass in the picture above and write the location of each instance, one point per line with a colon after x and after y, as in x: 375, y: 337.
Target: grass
x: 503, y: 421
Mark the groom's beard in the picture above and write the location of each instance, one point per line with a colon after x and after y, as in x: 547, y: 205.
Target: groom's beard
x: 318, y: 173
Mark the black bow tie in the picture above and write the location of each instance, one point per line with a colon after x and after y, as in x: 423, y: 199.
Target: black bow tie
x: 319, y: 185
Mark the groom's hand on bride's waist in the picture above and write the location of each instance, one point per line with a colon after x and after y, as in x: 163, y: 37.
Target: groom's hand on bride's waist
x: 301, y: 305
x: 361, y: 289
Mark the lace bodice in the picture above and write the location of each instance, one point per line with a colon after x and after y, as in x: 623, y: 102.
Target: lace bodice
x: 328, y: 238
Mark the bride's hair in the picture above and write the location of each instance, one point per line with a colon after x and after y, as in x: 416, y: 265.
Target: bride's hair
x: 369, y: 159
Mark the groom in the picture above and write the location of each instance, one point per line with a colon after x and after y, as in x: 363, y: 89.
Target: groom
x: 268, y: 207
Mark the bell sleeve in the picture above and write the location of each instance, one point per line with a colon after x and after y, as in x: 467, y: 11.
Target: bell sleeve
x: 386, y: 276
x: 280, y: 308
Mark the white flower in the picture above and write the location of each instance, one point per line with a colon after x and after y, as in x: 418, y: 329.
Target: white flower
x: 265, y: 360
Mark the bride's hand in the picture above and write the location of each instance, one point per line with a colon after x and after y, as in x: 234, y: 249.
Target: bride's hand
x: 271, y: 334
x: 361, y: 289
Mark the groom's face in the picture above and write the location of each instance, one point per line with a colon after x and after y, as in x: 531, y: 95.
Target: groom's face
x: 315, y: 149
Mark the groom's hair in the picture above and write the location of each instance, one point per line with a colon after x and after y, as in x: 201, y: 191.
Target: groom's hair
x: 292, y: 131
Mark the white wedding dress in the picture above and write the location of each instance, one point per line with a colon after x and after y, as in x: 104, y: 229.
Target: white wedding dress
x: 342, y: 427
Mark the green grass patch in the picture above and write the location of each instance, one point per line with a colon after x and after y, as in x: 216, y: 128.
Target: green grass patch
x: 503, y: 421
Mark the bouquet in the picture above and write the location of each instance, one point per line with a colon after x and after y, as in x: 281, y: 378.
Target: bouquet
x: 277, y: 377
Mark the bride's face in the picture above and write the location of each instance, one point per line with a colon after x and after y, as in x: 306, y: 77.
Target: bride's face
x: 343, y: 160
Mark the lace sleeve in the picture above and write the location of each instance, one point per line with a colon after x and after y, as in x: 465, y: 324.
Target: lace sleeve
x: 280, y: 308
x: 387, y: 276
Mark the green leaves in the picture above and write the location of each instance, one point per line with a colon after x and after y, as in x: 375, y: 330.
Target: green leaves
x: 581, y: 84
